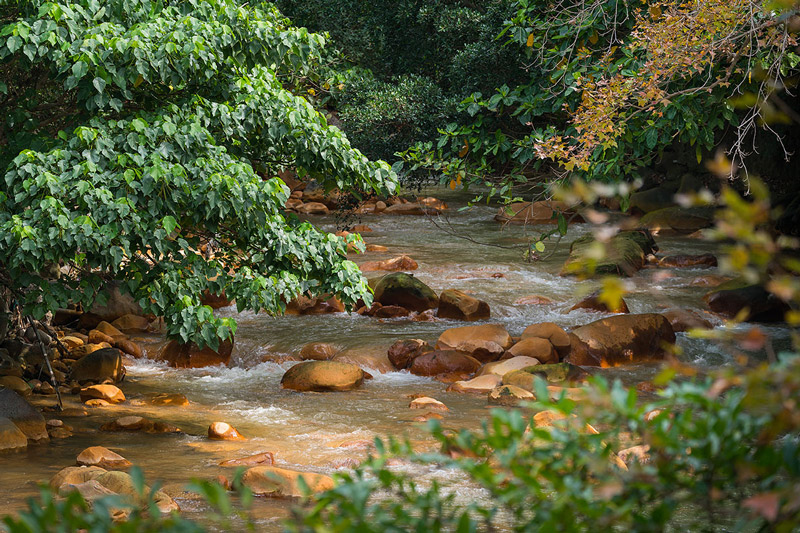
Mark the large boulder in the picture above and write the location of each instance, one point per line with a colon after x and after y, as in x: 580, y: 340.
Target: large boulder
x: 131, y: 324
x: 406, y: 291
x: 486, y: 342
x: 624, y: 254
x: 403, y: 352
x: 11, y: 437
x: 678, y: 220
x: 99, y: 365
x: 534, y: 348
x: 623, y: 339
x: 552, y: 332
x: 410, y: 208
x: 540, y: 212
x: 280, y: 482
x: 461, y: 306
x: 322, y: 376
x: 189, y: 355
x: 116, y: 305
x: 443, y: 362
x: 730, y: 298
x: 26, y: 417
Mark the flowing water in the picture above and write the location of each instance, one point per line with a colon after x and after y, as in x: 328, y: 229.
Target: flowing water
x: 325, y: 432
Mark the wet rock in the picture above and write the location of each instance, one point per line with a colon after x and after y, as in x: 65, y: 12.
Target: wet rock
x: 102, y: 457
x: 478, y: 385
x: 623, y: 339
x: 503, y: 367
x: 322, y: 376
x: 442, y: 362
x: 74, y: 475
x: 138, y: 423
x: 376, y: 248
x: 509, y: 395
x: 410, y: 209
x: 555, y: 373
x: 189, y: 355
x: 533, y: 299
x: 708, y: 281
x: 535, y: 348
x: 623, y: 255
x: 108, y: 329
x: 426, y: 402
x: 678, y: 220
x: 461, y: 306
x: 485, y: 342
x: 541, y: 212
x: 129, y: 347
x: 99, y: 365
x: 552, y: 332
x: 688, y: 261
x: 97, y: 337
x: 26, y: 417
x: 732, y: 297
x: 403, y: 352
x: 85, y: 349
x: 17, y: 384
x: 223, y: 431
x: 389, y: 311
x: 262, y: 459
x: 109, y: 393
x: 280, y: 482
x: 322, y: 305
x: 401, y: 263
x: 122, y: 483
x: 71, y: 342
x: 427, y: 416
x: 318, y: 351
x: 685, y: 319
x: 313, y: 208
x: 594, y: 303
x: 96, y: 402
x: 11, y: 437
x: 370, y: 359
x: 131, y: 324
x: 166, y: 398
x: 406, y: 291
x: 380, y: 206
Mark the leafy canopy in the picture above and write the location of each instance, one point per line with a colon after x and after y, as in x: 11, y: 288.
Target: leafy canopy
x: 135, y: 137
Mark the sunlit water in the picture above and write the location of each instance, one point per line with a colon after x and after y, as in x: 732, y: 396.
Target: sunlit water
x: 325, y: 432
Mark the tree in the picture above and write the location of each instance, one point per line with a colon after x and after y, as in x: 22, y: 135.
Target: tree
x: 136, y: 138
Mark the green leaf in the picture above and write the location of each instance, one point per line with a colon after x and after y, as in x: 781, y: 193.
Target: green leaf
x: 169, y: 223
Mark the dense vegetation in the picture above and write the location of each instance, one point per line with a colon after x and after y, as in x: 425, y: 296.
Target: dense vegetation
x: 135, y: 143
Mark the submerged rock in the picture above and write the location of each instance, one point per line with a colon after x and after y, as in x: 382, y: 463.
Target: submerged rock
x: 318, y: 351
x: 263, y: 459
x: 322, y: 376
x: 688, y: 261
x: 458, y: 305
x: 280, y: 482
x: 555, y: 373
x: 25, y: 416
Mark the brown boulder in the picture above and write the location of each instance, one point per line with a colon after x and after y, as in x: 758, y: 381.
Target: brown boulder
x: 11, y: 437
x: 509, y: 395
x: 313, y: 208
x: 317, y: 351
x: 444, y: 362
x: 280, y: 482
x: 304, y: 305
x: 406, y: 291
x: 485, y: 342
x: 401, y: 263
x: 131, y: 324
x: 403, y: 352
x: 389, y: 311
x: 461, y: 306
x: 503, y: 367
x: 109, y: 393
x: 25, y: 416
x: 366, y: 358
x: 410, y: 209
x: 687, y: 261
x: 478, y: 385
x: 103, y: 458
x: 322, y: 376
x: 223, y: 431
x: 540, y: 212
x: 424, y: 402
x: 623, y: 339
x: 685, y: 319
x: 552, y: 332
x: 534, y: 347
x: 594, y: 303
x: 533, y: 299
x: 129, y: 347
x: 189, y: 355
x: 96, y: 337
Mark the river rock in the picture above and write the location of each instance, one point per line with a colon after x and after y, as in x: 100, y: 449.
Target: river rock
x: 223, y: 431
x: 732, y: 297
x: 552, y: 332
x: 480, y: 385
x: 85, y: 349
x: 410, y: 208
x: 319, y: 305
x: 26, y: 417
x: 318, y: 351
x: 533, y: 299
x: 461, y: 306
x: 503, y: 367
x: 623, y: 339
x: 623, y: 255
x: 138, y: 423
x: 685, y: 319
x: 11, y: 437
x: 555, y: 373
x: 280, y: 482
x: 170, y: 398
x: 425, y: 402
x: 403, y: 352
x: 102, y: 457
x: 215, y: 301
x: 122, y: 484
x: 401, y: 263
x: 366, y: 359
x: 388, y: 311
x: 99, y: 365
x: 189, y: 355
x: 678, y: 220
x: 322, y: 376
x: 485, y: 342
x: 313, y: 208
x: 131, y: 324
x: 540, y: 212
x: 17, y: 384
x: 116, y: 305
x: 406, y: 291
x: 688, y: 261
x: 109, y: 393
x: 73, y: 475
x: 129, y: 347
x: 649, y: 200
x: 442, y: 362
x: 107, y: 329
x: 262, y: 459
x: 97, y: 337
x: 509, y: 395
x: 594, y: 303
x: 71, y: 342
x: 534, y: 348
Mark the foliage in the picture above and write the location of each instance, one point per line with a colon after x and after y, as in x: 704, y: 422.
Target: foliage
x: 133, y: 131
x: 718, y: 456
